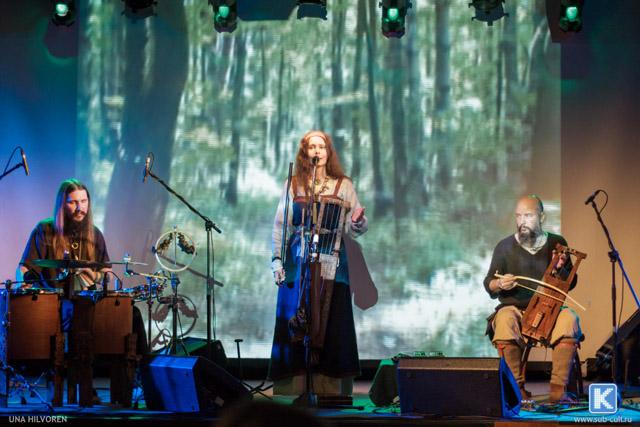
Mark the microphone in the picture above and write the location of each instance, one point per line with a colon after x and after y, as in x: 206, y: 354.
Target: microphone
x: 315, y: 160
x: 25, y: 165
x: 147, y: 163
x: 592, y: 197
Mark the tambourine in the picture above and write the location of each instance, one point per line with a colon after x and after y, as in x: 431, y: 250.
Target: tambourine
x: 175, y: 250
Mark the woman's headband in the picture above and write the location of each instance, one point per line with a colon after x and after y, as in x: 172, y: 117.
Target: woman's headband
x: 312, y: 133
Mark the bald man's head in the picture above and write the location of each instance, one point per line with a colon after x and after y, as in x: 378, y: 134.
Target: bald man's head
x: 529, y: 214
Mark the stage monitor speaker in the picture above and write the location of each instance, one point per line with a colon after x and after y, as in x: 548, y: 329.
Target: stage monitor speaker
x: 192, y: 346
x: 384, y: 388
x: 628, y: 369
x: 189, y: 384
x: 457, y: 386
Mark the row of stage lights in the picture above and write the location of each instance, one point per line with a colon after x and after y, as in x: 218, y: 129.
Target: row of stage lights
x: 394, y: 12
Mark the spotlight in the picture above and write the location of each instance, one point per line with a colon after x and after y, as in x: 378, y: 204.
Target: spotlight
x: 225, y: 15
x: 64, y: 12
x: 393, y: 14
x: 139, y: 9
x: 488, y: 10
x: 312, y: 9
x: 571, y: 15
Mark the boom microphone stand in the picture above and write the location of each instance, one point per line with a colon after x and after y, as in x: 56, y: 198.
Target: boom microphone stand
x: 208, y: 226
x: 614, y: 258
x: 23, y: 164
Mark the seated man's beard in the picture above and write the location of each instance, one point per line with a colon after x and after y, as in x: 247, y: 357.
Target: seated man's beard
x: 527, y: 236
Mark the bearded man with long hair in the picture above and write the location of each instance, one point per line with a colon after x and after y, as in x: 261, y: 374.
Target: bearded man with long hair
x: 337, y: 363
x: 68, y: 234
x: 71, y: 234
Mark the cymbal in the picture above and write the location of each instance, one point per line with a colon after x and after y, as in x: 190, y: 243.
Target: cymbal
x: 127, y: 262
x: 69, y: 263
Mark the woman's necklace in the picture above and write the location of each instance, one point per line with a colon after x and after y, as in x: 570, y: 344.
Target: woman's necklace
x: 320, y: 187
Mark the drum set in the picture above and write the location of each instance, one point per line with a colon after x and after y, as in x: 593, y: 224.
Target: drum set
x: 35, y: 319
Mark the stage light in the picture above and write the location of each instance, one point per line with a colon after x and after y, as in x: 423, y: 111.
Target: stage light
x: 312, y: 9
x: 488, y: 10
x: 64, y: 12
x: 571, y: 15
x: 139, y: 9
x: 393, y: 14
x: 225, y: 15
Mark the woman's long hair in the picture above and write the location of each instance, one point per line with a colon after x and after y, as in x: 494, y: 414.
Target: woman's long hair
x: 304, y: 167
x: 87, y: 235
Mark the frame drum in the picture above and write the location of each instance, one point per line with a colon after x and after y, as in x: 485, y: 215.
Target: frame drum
x: 34, y: 320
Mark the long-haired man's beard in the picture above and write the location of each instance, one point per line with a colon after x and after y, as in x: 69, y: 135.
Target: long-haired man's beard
x: 71, y: 224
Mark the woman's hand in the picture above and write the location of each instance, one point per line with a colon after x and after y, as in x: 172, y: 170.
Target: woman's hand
x: 278, y: 271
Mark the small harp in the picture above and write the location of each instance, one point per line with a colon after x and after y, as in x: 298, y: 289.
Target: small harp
x: 543, y: 309
x: 329, y: 217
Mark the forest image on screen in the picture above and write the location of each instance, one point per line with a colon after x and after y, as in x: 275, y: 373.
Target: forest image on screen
x: 440, y: 131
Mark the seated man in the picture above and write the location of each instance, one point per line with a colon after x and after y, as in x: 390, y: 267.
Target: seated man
x: 70, y: 234
x: 528, y: 252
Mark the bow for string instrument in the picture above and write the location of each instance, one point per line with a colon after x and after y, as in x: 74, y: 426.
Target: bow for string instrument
x: 542, y: 312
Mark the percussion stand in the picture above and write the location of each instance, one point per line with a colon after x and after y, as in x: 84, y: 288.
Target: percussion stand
x: 149, y: 309
x: 209, y: 226
x: 152, y: 287
x: 174, y: 300
x: 8, y: 370
x: 614, y: 258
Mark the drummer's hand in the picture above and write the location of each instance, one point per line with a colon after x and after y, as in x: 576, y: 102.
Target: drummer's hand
x: 507, y: 282
x: 86, y: 274
x: 278, y: 271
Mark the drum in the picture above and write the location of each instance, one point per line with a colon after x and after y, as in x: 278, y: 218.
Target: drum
x: 34, y: 320
x: 111, y: 317
x: 113, y: 322
x: 144, y: 292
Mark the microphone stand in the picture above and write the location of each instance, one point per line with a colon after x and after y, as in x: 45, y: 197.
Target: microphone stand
x: 209, y: 226
x: 308, y: 398
x: 7, y: 172
x: 16, y: 166
x: 614, y: 258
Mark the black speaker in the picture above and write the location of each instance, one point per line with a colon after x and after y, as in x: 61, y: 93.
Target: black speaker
x: 628, y: 369
x: 384, y: 387
x: 191, y: 346
x: 457, y: 386
x: 189, y: 384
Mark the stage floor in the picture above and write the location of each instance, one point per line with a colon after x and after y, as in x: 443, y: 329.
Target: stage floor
x: 31, y: 411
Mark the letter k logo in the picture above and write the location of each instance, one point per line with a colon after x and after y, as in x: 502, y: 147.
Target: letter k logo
x: 603, y: 398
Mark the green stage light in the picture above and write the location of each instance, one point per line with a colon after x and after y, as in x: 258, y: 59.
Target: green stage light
x: 223, y: 12
x: 393, y: 14
x: 63, y: 12
x: 225, y: 15
x: 61, y: 9
x: 571, y: 15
